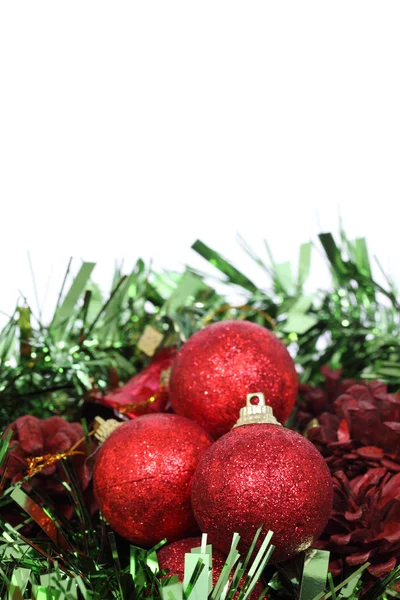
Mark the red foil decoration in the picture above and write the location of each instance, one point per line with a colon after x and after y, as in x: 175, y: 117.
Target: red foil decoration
x: 144, y: 393
x: 220, y: 364
x: 143, y: 477
x: 263, y: 474
x: 172, y: 557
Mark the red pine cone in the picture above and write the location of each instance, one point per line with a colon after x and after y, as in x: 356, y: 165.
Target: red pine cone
x: 315, y: 400
x: 365, y: 522
x: 359, y: 436
x: 372, y: 414
x: 145, y: 392
x: 364, y: 433
x: 37, y: 437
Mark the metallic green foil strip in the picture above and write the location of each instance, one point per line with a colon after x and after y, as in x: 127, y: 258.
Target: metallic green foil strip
x: 133, y: 562
x: 258, y: 567
x: 64, y: 312
x: 344, y: 585
x: 185, y: 292
x: 205, y: 550
x: 152, y: 562
x: 47, y: 523
x: 231, y: 559
x: 172, y: 591
x: 4, y: 443
x: 19, y: 581
x: 315, y: 573
x: 194, y: 567
x: 231, y: 272
x: 196, y: 580
x: 64, y: 588
x: 45, y: 593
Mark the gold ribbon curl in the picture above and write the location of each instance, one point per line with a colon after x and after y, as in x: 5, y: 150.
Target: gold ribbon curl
x: 36, y: 464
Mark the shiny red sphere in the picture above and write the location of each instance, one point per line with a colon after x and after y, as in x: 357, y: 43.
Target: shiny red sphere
x: 143, y: 477
x: 222, y: 363
x: 263, y: 474
x: 172, y: 557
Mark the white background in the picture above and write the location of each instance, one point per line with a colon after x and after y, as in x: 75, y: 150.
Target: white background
x: 132, y: 128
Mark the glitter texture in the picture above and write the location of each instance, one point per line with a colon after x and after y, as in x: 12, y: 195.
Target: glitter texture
x: 262, y: 474
x: 172, y: 557
x: 143, y: 474
x: 222, y: 363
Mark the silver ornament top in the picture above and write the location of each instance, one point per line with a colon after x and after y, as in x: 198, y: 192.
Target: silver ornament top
x: 256, y: 411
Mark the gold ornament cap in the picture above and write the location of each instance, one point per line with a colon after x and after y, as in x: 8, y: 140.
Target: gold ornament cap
x: 103, y: 429
x: 256, y: 411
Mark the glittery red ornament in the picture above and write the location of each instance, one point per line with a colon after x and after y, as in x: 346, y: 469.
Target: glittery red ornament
x: 172, y: 557
x: 143, y: 474
x: 220, y: 364
x: 262, y: 473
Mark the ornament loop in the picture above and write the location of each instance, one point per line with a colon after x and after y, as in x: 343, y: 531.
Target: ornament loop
x: 256, y: 411
x: 259, y: 396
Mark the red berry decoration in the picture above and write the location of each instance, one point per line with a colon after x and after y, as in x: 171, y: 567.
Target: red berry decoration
x: 219, y: 364
x: 143, y: 477
x: 262, y: 473
x: 172, y: 557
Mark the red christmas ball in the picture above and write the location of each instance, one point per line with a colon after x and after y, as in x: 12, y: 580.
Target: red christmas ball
x: 143, y: 475
x: 263, y: 474
x: 172, y: 557
x: 220, y: 364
